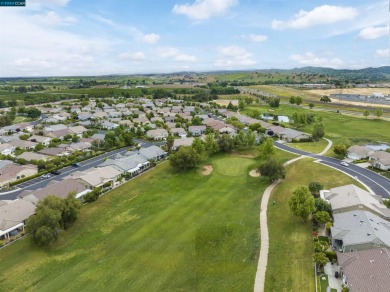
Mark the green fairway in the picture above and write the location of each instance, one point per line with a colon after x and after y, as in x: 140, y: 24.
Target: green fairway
x: 290, y: 263
x: 163, y: 231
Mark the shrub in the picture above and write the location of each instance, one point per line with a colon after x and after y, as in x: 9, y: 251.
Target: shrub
x: 331, y: 255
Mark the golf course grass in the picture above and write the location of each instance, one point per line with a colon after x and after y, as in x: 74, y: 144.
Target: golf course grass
x: 163, y: 231
x: 290, y: 262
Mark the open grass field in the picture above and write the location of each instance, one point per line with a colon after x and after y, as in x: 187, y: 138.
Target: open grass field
x: 290, y: 264
x: 312, y: 147
x: 364, y: 91
x: 163, y: 231
x: 339, y: 128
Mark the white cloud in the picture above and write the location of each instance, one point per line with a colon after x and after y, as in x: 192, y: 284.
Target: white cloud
x: 51, y: 18
x: 133, y: 56
x: 234, y: 56
x: 49, y: 3
x: 371, y: 33
x: 310, y: 59
x: 167, y: 52
x: 185, y: 58
x: 151, y: 38
x: 204, y: 9
x: 325, y: 14
x: 256, y: 38
x: 382, y: 53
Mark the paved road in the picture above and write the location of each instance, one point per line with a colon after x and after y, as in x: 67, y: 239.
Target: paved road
x: 40, y: 182
x: 377, y: 183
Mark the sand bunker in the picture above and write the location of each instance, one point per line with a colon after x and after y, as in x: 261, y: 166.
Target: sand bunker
x: 254, y: 173
x: 207, y: 169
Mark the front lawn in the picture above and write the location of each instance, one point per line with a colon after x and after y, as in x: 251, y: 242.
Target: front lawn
x: 312, y: 147
x: 163, y: 231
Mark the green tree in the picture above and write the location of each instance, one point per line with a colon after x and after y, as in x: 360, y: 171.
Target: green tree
x: 315, y: 187
x: 273, y: 169
x: 225, y: 143
x: 340, y: 149
x: 322, y: 205
x: 318, y: 131
x: 196, y: 121
x: 311, y: 105
x: 199, y: 147
x: 267, y: 148
x: 298, y: 100
x: 44, y: 226
x: 211, y: 145
x: 320, y: 246
x: 292, y: 100
x: 301, y: 202
x: 378, y: 112
x: 70, y: 211
x: 250, y: 138
x: 366, y: 113
x: 320, y: 259
x: 241, y: 104
x: 33, y: 112
x: 185, y: 158
x: 321, y: 217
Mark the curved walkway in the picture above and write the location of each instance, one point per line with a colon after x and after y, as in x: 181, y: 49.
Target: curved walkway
x: 264, y: 236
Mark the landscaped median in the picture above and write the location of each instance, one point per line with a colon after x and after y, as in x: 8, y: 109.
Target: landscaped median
x: 162, y: 231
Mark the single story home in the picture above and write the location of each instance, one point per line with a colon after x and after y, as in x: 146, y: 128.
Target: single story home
x: 357, y: 152
x: 197, y: 130
x: 40, y: 139
x: 350, y: 197
x: 97, y: 177
x: 13, y: 216
x: 365, y: 270
x: 7, y: 149
x: 11, y: 172
x: 381, y: 160
x: 28, y: 156
x: 177, y: 143
x: 359, y: 230
x: 158, y: 134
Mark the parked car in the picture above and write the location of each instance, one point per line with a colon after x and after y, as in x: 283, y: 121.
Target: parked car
x: 76, y: 164
x: 45, y: 175
x: 56, y: 172
x: 343, y: 163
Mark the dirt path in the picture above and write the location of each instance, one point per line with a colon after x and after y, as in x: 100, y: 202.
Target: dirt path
x: 264, y: 235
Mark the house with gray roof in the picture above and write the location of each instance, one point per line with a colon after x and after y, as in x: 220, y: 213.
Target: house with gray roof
x: 357, y: 152
x: 350, y: 197
x: 359, y: 230
x: 381, y: 160
x: 133, y: 164
x: 197, y: 130
x: 13, y: 215
x: 157, y: 134
x: 57, y: 188
x: 153, y: 153
x: 366, y: 270
x: 177, y: 143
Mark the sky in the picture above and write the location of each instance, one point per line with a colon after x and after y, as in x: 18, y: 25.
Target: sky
x: 69, y: 37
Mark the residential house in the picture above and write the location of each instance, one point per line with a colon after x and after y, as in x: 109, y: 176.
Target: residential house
x: 40, y: 139
x: 84, y: 116
x: 26, y: 127
x: 60, y: 189
x: 79, y: 146
x: 126, y: 123
x: 381, y: 160
x: 177, y: 143
x: 13, y: 216
x: 197, y: 130
x: 11, y: 172
x: 22, y: 144
x: 359, y: 230
x: 365, y: 270
x: 141, y: 120
x: 350, y: 197
x: 55, y: 151
x: 99, y: 116
x: 133, y: 164
x: 59, y: 134
x: 78, y: 130
x: 153, y: 153
x: 158, y: 134
x: 28, y: 156
x: 58, y: 127
x: 108, y: 125
x: 97, y: 177
x: 179, y: 132
x: 7, y: 149
x: 357, y: 152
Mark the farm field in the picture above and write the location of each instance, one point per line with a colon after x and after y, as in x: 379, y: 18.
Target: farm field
x: 364, y: 91
x: 290, y: 263
x: 163, y: 231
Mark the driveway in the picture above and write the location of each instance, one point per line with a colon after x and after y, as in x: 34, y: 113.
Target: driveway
x: 333, y: 282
